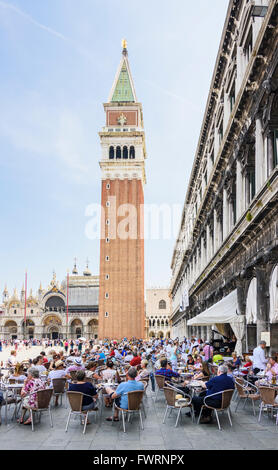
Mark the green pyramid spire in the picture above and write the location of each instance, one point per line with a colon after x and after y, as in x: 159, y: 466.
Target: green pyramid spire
x: 123, y: 90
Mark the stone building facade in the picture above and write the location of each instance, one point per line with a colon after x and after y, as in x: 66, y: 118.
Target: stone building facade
x: 228, y: 240
x: 158, y: 312
x: 46, y: 312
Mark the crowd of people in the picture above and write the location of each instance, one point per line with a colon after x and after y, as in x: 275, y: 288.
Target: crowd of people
x: 129, y: 363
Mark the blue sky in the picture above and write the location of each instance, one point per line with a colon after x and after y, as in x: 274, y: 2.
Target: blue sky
x: 58, y: 62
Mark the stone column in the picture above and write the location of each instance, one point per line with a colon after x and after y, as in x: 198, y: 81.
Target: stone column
x: 226, y: 214
x: 270, y: 152
x: 241, y: 305
x: 208, y: 244
x: 259, y: 156
x: 239, y: 191
x: 262, y: 307
x: 216, y: 232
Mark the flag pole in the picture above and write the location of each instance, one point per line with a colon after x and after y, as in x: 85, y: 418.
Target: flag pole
x: 25, y: 306
x: 67, y: 303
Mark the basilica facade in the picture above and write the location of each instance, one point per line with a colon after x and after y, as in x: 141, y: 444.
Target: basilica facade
x: 225, y: 261
x: 47, y: 312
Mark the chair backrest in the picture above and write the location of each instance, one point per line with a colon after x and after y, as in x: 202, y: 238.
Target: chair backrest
x: 12, y: 381
x: 135, y: 399
x: 170, y: 396
x: 240, y: 388
x: 160, y: 381
x: 59, y: 385
x: 226, y: 398
x: 75, y: 400
x: 267, y: 395
x: 44, y: 397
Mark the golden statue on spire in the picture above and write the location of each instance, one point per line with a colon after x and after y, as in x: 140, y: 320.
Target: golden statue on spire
x: 124, y: 43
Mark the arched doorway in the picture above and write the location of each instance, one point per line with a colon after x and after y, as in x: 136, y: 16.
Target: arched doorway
x: 10, y: 330
x: 151, y: 334
x: 93, y: 328
x: 160, y: 334
x: 52, y: 327
x: 28, y: 329
x: 76, y: 328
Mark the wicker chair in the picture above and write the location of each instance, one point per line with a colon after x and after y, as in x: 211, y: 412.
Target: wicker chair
x: 172, y: 404
x: 59, y: 388
x: 43, y: 399
x: 246, y: 391
x: 267, y: 395
x: 160, y: 383
x: 75, y: 400
x: 225, y: 405
x: 134, y: 406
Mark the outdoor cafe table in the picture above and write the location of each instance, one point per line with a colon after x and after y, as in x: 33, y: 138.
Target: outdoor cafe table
x: 6, y: 388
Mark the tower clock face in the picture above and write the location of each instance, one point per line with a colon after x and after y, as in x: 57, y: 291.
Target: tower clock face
x: 122, y: 119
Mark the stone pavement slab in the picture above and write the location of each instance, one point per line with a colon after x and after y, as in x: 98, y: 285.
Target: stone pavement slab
x: 246, y: 432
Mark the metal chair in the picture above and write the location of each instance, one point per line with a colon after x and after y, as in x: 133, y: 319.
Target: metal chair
x: 225, y: 405
x: 134, y: 406
x: 246, y: 391
x: 267, y: 395
x: 59, y: 387
x: 43, y: 399
x: 160, y: 383
x: 75, y: 400
x: 172, y: 404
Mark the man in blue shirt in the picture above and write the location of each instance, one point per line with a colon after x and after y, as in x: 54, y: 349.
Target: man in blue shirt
x: 166, y: 371
x: 120, y: 395
x: 217, y: 384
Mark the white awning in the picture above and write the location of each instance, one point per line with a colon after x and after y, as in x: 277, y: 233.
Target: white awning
x: 224, y: 311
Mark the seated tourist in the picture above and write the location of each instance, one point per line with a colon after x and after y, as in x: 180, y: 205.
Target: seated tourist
x: 91, y: 371
x: 166, y: 370
x: 247, y: 365
x: 128, y: 356
x: 136, y: 360
x: 271, y: 368
x: 11, y: 361
x: 77, y: 365
x: 109, y: 373
x: 38, y: 364
x: 120, y: 395
x: 198, y: 365
x: 217, y: 384
x: 32, y: 384
x: 88, y: 402
x: 45, y: 360
x: 235, y: 361
x: 143, y: 372
x: 190, y: 360
x: 18, y: 375
x: 57, y: 373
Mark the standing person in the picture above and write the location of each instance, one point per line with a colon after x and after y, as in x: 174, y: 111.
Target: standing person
x: 66, y: 345
x: 208, y: 351
x: 259, y: 359
x: 0, y: 346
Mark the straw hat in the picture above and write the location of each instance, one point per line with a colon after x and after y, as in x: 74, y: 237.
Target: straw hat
x: 58, y: 364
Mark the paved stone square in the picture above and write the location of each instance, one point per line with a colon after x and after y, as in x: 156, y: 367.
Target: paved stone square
x: 246, y: 432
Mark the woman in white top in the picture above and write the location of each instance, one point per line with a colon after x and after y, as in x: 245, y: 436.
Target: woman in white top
x: 108, y: 373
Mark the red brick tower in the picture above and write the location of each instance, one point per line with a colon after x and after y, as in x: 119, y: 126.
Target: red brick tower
x: 121, y: 290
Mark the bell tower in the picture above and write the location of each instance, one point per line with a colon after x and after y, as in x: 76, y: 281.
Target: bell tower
x: 121, y: 291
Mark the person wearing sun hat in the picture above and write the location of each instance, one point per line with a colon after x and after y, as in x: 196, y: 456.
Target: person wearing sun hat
x: 77, y: 365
